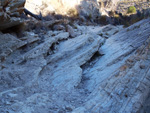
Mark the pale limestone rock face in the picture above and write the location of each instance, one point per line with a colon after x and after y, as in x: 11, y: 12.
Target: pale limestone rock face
x: 107, y: 5
x: 59, y: 6
x: 64, y: 7
x: 85, y: 69
x: 123, y: 87
x: 10, y: 11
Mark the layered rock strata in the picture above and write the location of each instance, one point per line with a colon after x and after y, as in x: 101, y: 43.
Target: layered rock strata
x: 81, y: 74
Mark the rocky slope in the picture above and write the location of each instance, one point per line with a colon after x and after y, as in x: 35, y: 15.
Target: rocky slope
x: 107, y: 5
x: 57, y: 73
x: 84, y: 8
x: 139, y: 5
x: 10, y: 12
x: 59, y: 66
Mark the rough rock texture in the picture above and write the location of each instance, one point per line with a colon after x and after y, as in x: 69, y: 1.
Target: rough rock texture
x: 119, y: 80
x: 146, y: 107
x: 10, y: 11
x: 107, y: 5
x: 84, y: 8
x: 84, y: 73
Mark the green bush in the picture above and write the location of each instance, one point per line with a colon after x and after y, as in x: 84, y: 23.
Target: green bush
x: 131, y: 9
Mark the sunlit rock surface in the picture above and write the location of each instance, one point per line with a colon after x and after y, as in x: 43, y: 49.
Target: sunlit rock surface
x: 85, y: 8
x: 97, y: 70
x: 107, y: 5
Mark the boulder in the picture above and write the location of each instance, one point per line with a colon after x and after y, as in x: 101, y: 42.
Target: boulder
x: 71, y: 31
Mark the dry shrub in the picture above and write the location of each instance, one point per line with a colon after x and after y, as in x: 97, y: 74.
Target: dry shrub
x: 72, y: 12
x: 103, y: 19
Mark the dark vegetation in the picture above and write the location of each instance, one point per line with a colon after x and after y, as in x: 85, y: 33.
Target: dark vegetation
x: 126, y: 20
x: 114, y: 18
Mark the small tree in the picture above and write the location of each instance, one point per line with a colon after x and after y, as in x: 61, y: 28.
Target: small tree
x: 131, y: 9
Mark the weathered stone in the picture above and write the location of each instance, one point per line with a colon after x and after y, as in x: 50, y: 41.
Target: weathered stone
x: 10, y: 13
x: 86, y: 73
x: 71, y: 31
x: 126, y: 89
x: 65, y: 7
x: 58, y: 27
x: 107, y: 5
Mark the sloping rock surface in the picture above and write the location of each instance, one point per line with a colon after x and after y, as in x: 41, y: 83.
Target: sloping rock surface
x: 84, y: 74
x: 119, y: 80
